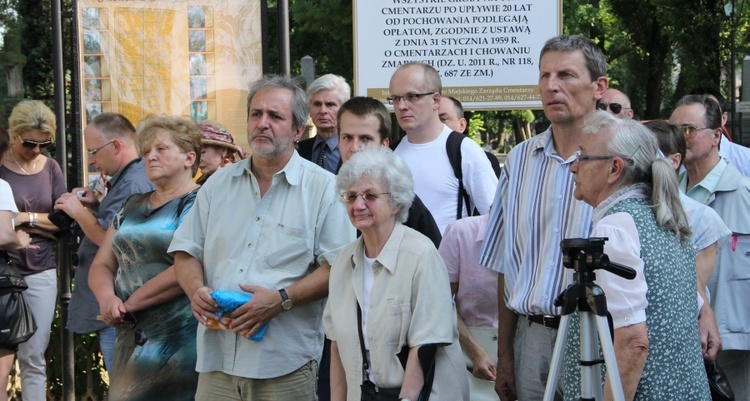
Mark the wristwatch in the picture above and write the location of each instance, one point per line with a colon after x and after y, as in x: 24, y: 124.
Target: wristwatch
x: 286, y: 303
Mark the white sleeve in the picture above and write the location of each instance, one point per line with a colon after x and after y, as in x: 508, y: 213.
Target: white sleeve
x: 7, y: 203
x: 626, y: 299
x: 479, y: 178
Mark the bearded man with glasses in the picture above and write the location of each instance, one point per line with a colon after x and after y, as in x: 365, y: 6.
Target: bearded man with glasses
x: 415, y: 95
x: 616, y: 103
x: 713, y: 181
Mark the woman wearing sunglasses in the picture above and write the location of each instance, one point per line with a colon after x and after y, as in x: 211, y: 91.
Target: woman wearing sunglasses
x: 37, y: 182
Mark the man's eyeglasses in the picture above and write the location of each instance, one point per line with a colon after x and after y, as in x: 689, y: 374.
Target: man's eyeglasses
x: 351, y: 197
x: 689, y: 131
x: 410, y: 98
x: 93, y: 151
x: 581, y: 158
x: 129, y: 320
x: 615, y: 107
x: 29, y: 144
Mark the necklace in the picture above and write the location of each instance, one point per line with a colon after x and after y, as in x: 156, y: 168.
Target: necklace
x: 33, y: 167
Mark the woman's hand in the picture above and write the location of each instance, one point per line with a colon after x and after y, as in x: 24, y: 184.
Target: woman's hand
x: 112, y: 310
x: 24, y: 240
x: 484, y: 367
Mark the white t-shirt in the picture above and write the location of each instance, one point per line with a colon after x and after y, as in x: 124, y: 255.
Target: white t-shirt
x: 7, y: 203
x: 437, y: 185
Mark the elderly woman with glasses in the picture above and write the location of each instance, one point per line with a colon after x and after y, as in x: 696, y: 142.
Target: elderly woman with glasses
x: 637, y: 206
x: 37, y: 181
x: 133, y: 276
x: 389, y: 315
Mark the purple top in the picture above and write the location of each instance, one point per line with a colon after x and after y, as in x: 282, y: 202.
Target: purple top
x: 36, y: 193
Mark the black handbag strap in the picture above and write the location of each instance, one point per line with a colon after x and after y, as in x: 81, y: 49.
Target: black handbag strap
x: 365, y: 364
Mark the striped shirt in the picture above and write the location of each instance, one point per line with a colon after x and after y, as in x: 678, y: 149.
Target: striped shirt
x: 533, y: 211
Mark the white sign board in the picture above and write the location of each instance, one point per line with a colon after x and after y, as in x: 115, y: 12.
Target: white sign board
x: 743, y: 107
x: 486, y: 51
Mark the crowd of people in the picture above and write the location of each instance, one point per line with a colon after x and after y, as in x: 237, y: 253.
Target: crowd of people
x: 369, y: 268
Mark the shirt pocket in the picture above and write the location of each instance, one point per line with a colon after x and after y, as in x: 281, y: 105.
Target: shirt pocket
x: 289, y: 248
x: 398, y: 320
x: 740, y: 251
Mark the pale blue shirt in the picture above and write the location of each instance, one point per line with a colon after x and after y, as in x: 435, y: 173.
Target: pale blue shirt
x: 703, y: 190
x: 271, y: 241
x: 533, y: 211
x: 736, y: 154
x: 707, y: 226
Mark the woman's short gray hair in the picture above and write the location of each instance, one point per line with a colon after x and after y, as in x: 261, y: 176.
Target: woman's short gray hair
x: 380, y: 163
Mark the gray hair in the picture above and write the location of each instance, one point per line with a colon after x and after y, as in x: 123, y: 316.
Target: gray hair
x: 712, y: 117
x: 330, y: 82
x: 380, y: 163
x: 638, y: 148
x: 299, y: 104
x: 594, y: 59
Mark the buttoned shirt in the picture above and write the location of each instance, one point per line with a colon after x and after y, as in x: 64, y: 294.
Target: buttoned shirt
x: 410, y: 305
x: 271, y: 241
x: 84, y: 308
x: 533, y: 211
x: 701, y: 191
x: 476, y: 299
x: 330, y: 146
x: 736, y: 154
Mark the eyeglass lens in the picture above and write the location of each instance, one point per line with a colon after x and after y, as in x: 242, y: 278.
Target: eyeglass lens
x: 351, y: 197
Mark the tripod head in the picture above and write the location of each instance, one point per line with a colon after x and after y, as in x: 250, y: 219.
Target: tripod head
x: 585, y: 255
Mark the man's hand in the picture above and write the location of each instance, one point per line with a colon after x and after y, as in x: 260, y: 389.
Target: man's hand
x: 264, y: 306
x: 71, y: 205
x: 86, y: 196
x: 709, y: 333
x: 505, y: 383
x: 484, y: 367
x: 203, y: 305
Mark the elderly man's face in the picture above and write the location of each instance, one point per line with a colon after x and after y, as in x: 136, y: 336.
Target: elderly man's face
x: 614, y: 100
x: 357, y: 133
x: 591, y: 169
x: 104, y: 158
x: 324, y: 105
x: 416, y: 114
x: 269, y: 123
x: 702, y: 143
x: 568, y: 92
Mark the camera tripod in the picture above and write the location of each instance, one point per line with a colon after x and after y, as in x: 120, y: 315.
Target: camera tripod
x: 584, y: 255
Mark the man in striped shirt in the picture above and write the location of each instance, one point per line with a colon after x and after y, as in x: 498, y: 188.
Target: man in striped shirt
x: 534, y: 210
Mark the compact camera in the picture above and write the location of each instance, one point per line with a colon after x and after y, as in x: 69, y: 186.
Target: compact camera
x: 60, y: 219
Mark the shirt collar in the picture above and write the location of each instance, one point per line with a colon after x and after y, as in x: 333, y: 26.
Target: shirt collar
x: 388, y: 257
x: 332, y: 142
x: 291, y: 172
x: 711, y: 181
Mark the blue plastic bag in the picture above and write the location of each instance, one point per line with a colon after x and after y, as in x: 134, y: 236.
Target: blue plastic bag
x: 228, y: 301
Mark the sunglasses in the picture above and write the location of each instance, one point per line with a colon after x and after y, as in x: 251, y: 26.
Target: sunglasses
x: 615, y: 107
x: 28, y: 143
x: 129, y: 320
